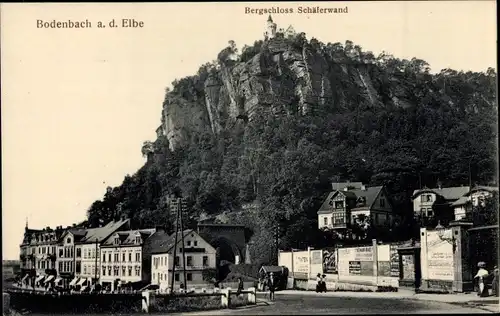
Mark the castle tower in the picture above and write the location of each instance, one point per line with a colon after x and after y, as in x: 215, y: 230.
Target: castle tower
x: 271, y: 28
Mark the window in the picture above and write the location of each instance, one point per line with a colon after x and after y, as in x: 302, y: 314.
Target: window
x: 68, y: 241
x: 325, y: 220
x: 339, y: 204
x: 123, y: 271
x: 189, y: 261
x: 109, y: 257
x: 117, y: 241
x: 422, y: 211
x: 103, y: 271
x: 153, y: 276
x: 429, y: 212
x: 129, y: 271
x: 177, y: 277
x: 104, y: 257
x: 60, y: 266
x: 116, y: 271
x: 78, y: 267
x: 205, y: 261
x: 137, y: 240
x: 189, y: 277
x: 382, y: 202
x: 78, y: 252
x: 339, y: 218
x: 116, y: 258
x: 84, y: 253
x: 109, y: 271
x: 93, y: 270
x: 130, y: 256
x: 43, y: 264
x: 195, y: 243
x: 93, y: 253
x: 189, y: 243
x: 429, y: 198
x: 176, y: 262
x: 61, y: 253
x: 137, y: 271
x: 84, y: 269
x: 138, y: 257
x: 123, y: 257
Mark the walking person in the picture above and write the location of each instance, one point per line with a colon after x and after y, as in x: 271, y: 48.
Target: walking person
x: 481, y: 275
x: 272, y: 286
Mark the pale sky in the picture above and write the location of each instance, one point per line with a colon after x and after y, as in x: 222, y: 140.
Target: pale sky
x: 77, y: 104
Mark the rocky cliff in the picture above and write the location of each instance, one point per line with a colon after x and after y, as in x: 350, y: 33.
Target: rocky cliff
x: 284, y: 76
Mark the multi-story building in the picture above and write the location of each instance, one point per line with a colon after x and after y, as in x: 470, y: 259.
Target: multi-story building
x: 473, y: 199
x: 199, y: 257
x: 10, y: 269
x: 427, y: 201
x: 79, y: 252
x: 125, y: 259
x: 38, y: 255
x: 351, y: 201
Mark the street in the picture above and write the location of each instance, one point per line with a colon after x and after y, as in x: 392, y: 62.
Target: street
x: 299, y: 304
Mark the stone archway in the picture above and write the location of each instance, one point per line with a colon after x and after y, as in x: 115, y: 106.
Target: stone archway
x: 226, y: 250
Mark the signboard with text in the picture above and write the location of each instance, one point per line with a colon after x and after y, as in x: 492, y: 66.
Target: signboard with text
x: 301, y: 264
x: 330, y: 263
x: 440, y: 256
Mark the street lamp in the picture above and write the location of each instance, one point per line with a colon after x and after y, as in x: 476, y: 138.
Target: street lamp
x: 441, y: 231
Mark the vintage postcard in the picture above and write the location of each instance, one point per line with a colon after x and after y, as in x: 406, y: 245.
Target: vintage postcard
x: 249, y: 158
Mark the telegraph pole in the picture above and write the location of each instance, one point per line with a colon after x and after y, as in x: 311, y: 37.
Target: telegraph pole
x: 96, y: 254
x: 174, y: 207
x: 182, y: 205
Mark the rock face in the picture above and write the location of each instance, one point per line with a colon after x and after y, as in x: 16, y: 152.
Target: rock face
x: 283, y: 78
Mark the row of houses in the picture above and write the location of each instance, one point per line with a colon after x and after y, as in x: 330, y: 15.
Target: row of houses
x: 350, y: 201
x: 113, y: 256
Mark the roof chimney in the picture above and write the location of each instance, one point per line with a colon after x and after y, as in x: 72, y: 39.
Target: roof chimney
x: 346, y: 189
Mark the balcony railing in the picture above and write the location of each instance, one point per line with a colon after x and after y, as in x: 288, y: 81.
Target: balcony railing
x: 192, y: 267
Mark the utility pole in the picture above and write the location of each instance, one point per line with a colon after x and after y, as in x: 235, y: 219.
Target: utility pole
x: 96, y: 254
x: 183, y: 206
x: 174, y: 207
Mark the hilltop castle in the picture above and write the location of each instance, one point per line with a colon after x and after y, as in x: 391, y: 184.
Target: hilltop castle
x: 272, y: 27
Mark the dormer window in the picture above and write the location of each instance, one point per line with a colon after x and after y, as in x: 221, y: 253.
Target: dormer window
x: 68, y: 241
x: 117, y: 240
x: 189, y: 243
x: 137, y: 240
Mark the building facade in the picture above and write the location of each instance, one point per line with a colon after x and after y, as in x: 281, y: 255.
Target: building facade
x: 350, y: 202
x: 79, y: 253
x: 444, y: 200
x: 38, y: 256
x: 125, y: 259
x: 477, y: 197
x: 199, y: 255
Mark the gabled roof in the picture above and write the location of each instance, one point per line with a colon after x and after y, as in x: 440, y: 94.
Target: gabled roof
x: 128, y: 237
x: 451, y: 193
x: 163, y: 243
x: 98, y: 234
x: 369, y: 193
x: 482, y: 188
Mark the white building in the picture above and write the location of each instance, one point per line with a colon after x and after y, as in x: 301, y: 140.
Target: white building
x: 271, y: 28
x: 199, y: 256
x: 125, y: 259
x: 476, y: 197
x: 81, y: 252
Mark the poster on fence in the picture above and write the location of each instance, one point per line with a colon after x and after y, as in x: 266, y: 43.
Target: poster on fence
x: 440, y: 256
x: 394, y: 260
x: 408, y: 267
x: 330, y: 261
x: 355, y: 261
x: 316, y: 263
x: 301, y: 264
